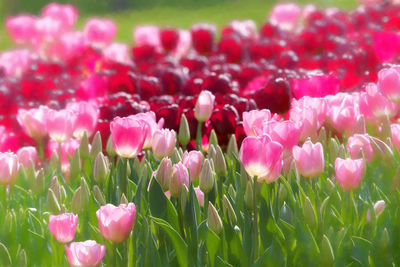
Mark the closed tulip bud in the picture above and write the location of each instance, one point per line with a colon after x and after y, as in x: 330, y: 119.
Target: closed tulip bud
x: 384, y: 242
x: 176, y: 157
x: 163, y: 143
x: 164, y: 173
x: 204, y: 106
x: 87, y: 253
x: 229, y: 209
x: 9, y: 168
x: 75, y: 166
x: 322, y: 136
x: 55, y: 187
x: 38, y: 184
x: 193, y: 160
x: 213, y: 220
x: 379, y: 207
x: 211, y: 152
x: 110, y: 147
x: 310, y: 215
x: 199, y: 196
x: 98, y: 196
x: 333, y: 149
x: 85, y: 191
x: 231, y: 191
x: 84, y: 146
x: 220, y: 164
x: 244, y: 177
x: 52, y: 202
x: 76, y: 204
x: 232, y: 149
x: 349, y: 173
x: 309, y: 159
x: 180, y: 176
x: 282, y: 193
x: 183, y: 197
x: 342, y: 151
x: 124, y: 200
x: 101, y: 168
x: 63, y: 226
x: 115, y: 223
x: 207, y: 179
x: 213, y: 139
x: 97, y: 145
x: 248, y: 196
x: 22, y: 259
x: 184, y: 131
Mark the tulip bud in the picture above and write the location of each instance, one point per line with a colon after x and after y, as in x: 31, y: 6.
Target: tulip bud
x: 38, y: 184
x: 55, y: 187
x: 176, y: 157
x: 164, y: 173
x: 248, y: 196
x: 342, y: 151
x: 322, y: 136
x: 52, y: 202
x: 282, y: 193
x: 85, y: 191
x: 204, y: 106
x: 232, y: 149
x: 207, y: 179
x: 211, y: 152
x: 360, y: 128
x: 184, y: 131
x: 384, y: 242
x: 310, y: 215
x: 379, y: 207
x: 220, y: 164
x: 179, y: 177
x: 97, y: 145
x: 327, y: 257
x: 213, y: 139
x: 213, y: 220
x: 333, y: 149
x: 22, y: 259
x: 244, y: 177
x: 229, y: 209
x: 98, y: 196
x: 75, y: 167
x: 76, y: 204
x: 110, y: 147
x: 183, y: 197
x: 101, y: 168
x: 163, y: 143
x: 54, y: 161
x: 84, y: 146
x: 199, y: 196
x: 124, y: 200
x: 231, y: 191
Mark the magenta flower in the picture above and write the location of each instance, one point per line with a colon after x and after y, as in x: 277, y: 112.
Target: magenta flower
x: 60, y: 124
x: 349, y: 173
x: 128, y: 136
x: 63, y: 226
x: 85, y: 254
x: 22, y: 28
x: 9, y: 167
x: 309, y: 159
x: 115, y: 223
x: 287, y: 133
x: 150, y: 119
x: 261, y: 157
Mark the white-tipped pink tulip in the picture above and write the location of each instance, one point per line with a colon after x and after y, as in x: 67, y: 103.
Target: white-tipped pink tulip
x: 349, y: 173
x: 204, y: 106
x: 26, y: 155
x: 9, y: 167
x: 163, y: 143
x: 60, y: 124
x: 63, y: 226
x: 115, y: 223
x: 309, y: 159
x: 261, y: 158
x: 33, y: 121
x: 86, y: 116
x: 85, y: 254
x: 359, y: 143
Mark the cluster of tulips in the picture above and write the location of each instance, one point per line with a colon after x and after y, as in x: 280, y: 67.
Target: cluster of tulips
x: 277, y: 147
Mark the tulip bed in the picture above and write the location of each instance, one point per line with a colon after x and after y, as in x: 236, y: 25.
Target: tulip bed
x: 276, y: 146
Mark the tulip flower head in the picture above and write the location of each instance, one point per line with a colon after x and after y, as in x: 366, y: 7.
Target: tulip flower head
x: 85, y: 254
x: 193, y: 160
x: 9, y: 167
x: 163, y: 143
x: 349, y: 173
x: 63, y: 226
x: 204, y: 106
x: 309, y: 159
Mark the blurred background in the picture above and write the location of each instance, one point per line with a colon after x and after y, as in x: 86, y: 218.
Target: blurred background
x: 176, y: 13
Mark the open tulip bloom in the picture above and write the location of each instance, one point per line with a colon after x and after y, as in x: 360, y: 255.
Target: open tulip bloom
x: 272, y: 144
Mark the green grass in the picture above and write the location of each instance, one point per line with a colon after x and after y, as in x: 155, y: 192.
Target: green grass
x: 184, y: 16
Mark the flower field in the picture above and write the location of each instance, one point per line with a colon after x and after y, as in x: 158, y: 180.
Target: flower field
x: 268, y: 145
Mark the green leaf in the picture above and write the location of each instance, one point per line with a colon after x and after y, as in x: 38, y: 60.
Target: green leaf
x: 180, y: 246
x: 221, y: 263
x: 5, y: 258
x: 161, y: 206
x: 326, y: 257
x: 212, y: 242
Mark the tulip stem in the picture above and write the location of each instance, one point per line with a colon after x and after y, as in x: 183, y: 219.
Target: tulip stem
x: 205, y: 205
x: 40, y: 149
x: 180, y: 217
x: 124, y: 180
x: 198, y: 136
x: 255, y: 220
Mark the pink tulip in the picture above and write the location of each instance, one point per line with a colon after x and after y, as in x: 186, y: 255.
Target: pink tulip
x: 193, y: 160
x: 343, y: 116
x: 26, y: 155
x: 379, y: 207
x: 22, y: 28
x: 60, y: 124
x: 69, y: 45
x: 184, y: 43
x: 128, y: 136
x: 150, y: 119
x: 261, y: 157
x: 66, y: 14
x: 180, y: 176
x: 287, y: 133
x: 199, y: 196
x: 147, y: 35
x: 86, y: 115
x: 15, y: 62
x: 372, y: 101
x: 117, y: 52
x: 33, y: 121
x: 389, y: 83
x: 309, y: 159
x: 308, y: 119
x: 316, y: 86
x: 85, y: 254
x: 93, y: 87
x: 395, y: 129
x: 68, y: 149
x: 9, y: 167
x: 204, y: 106
x: 63, y: 226
x: 115, y: 223
x: 285, y: 16
x: 163, y: 143
x: 49, y: 29
x: 349, y: 173
x: 358, y: 143
x: 99, y: 31
x: 253, y: 120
